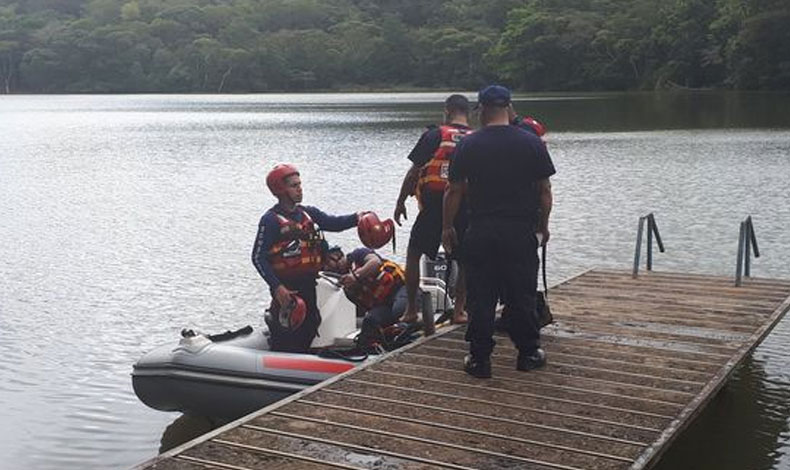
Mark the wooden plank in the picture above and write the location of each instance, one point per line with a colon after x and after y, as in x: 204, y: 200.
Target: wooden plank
x: 601, y: 351
x: 603, y: 347
x: 586, y: 361
x: 651, y: 276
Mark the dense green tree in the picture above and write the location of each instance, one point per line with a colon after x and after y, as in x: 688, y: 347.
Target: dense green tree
x: 681, y: 38
x: 358, y: 44
x: 754, y: 42
x: 12, y: 38
x: 263, y: 45
x: 542, y: 49
x: 449, y: 56
x: 759, y: 55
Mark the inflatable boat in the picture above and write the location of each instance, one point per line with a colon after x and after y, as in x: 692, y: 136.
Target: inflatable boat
x: 229, y: 375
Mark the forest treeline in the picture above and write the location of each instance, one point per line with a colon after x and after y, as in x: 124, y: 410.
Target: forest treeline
x: 56, y: 46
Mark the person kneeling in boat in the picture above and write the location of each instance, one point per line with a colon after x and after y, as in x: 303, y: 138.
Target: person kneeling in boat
x: 288, y: 254
x: 377, y: 287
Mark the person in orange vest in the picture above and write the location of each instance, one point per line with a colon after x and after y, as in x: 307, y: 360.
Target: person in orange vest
x: 377, y: 286
x: 527, y: 123
x: 288, y: 253
x: 427, y: 179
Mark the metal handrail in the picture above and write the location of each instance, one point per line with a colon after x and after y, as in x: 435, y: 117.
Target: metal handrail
x: 652, y: 229
x: 746, y: 240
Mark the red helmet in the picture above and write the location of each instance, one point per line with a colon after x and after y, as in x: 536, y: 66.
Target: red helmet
x: 373, y: 232
x: 539, y: 128
x: 292, y: 315
x: 275, y: 180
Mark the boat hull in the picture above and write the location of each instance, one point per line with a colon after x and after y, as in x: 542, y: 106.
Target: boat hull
x: 228, y: 378
x: 204, y: 395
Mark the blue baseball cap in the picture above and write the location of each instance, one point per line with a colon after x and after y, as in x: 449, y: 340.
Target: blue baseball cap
x: 493, y: 95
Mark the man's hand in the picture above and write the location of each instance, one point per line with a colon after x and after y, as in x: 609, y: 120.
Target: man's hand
x: 546, y: 202
x: 283, y: 295
x: 543, y: 236
x: 400, y: 209
x: 406, y: 189
x: 449, y: 239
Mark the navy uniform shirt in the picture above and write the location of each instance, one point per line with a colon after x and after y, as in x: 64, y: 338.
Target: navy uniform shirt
x: 502, y: 165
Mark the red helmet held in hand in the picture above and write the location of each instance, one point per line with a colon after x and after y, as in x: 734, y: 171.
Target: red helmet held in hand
x: 292, y: 315
x: 373, y: 232
x: 275, y: 180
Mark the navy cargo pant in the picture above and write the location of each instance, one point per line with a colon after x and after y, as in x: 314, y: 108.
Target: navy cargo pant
x: 501, y: 257
x: 299, y: 340
x: 388, y: 313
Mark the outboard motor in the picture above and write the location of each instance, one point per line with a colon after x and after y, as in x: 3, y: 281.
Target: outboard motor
x: 441, y: 268
x: 439, y: 277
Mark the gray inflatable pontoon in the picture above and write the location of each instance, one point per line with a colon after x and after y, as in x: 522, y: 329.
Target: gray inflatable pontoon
x: 229, y: 375
x: 226, y: 378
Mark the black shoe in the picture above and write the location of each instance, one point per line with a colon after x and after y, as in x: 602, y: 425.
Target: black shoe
x: 533, y: 361
x: 477, y: 368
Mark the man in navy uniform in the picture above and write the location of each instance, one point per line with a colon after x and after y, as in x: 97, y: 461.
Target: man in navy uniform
x: 504, y: 171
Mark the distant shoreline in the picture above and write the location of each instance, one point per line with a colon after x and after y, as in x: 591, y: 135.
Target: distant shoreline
x: 395, y: 90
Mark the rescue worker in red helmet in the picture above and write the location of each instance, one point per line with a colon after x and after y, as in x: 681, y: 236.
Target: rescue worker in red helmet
x: 527, y: 123
x: 377, y: 287
x: 427, y: 179
x: 288, y: 253
x: 533, y: 126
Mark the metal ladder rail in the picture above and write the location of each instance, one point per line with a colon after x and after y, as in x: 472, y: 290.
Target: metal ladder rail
x: 747, y: 243
x: 652, y: 230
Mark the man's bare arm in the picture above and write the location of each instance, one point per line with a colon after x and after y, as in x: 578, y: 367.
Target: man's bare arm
x: 407, y: 189
x: 372, y: 263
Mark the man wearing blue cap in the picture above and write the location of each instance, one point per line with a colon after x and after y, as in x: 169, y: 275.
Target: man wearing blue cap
x: 504, y: 172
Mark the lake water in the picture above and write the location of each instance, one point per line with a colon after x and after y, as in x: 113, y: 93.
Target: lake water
x: 124, y: 219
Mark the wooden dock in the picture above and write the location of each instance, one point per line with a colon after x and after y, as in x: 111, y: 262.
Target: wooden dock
x: 631, y: 362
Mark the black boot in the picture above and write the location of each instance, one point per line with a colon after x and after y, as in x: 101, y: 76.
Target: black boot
x: 534, y: 360
x: 480, y: 368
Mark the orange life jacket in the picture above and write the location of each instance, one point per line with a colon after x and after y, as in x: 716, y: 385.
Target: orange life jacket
x: 298, y: 252
x: 433, y: 175
x: 376, y: 290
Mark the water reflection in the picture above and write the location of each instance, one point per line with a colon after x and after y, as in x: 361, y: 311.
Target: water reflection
x: 739, y: 429
x: 184, y: 429
x: 655, y: 111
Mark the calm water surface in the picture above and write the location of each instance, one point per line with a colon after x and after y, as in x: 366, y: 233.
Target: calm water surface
x: 124, y: 219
